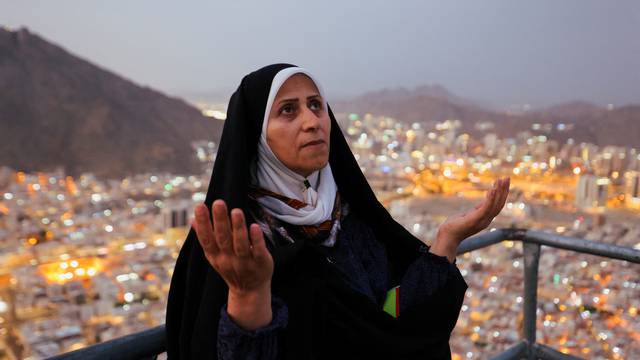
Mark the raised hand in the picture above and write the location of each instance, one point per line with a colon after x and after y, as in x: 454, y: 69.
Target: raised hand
x: 242, y: 260
x: 460, y: 226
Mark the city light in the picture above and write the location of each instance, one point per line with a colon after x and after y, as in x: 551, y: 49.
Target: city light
x: 105, y: 249
x: 62, y: 272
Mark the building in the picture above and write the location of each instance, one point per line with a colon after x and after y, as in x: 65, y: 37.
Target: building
x: 591, y: 192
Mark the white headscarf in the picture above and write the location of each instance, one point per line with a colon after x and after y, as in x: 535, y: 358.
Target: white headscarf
x: 271, y: 174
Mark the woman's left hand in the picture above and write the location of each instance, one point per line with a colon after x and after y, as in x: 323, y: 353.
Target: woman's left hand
x: 460, y: 226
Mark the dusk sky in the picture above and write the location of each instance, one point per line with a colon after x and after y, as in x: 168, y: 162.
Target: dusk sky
x: 496, y: 52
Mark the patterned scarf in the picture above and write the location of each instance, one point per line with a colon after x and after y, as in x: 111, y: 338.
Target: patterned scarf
x: 323, y: 233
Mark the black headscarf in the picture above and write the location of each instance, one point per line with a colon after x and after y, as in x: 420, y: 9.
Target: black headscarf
x: 327, y: 319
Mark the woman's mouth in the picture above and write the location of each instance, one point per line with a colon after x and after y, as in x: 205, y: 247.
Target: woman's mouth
x: 313, y: 143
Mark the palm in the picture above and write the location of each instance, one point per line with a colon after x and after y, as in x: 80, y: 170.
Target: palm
x: 460, y: 226
x: 239, y: 256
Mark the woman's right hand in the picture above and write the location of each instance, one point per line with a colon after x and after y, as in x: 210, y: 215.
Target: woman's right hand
x: 241, y: 259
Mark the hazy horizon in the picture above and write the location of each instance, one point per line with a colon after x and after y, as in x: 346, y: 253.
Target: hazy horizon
x: 497, y: 53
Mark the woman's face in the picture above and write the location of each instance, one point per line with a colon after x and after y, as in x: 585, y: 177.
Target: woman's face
x: 299, y: 126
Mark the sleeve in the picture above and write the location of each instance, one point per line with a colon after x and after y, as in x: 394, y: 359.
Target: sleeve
x: 237, y: 343
x: 425, y: 275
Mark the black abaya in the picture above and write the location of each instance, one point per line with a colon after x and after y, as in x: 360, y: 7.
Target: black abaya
x: 324, y: 313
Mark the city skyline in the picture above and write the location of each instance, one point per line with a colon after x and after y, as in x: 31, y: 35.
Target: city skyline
x: 89, y: 259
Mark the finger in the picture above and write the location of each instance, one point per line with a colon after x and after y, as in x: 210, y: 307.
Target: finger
x: 258, y: 246
x: 482, y: 214
x: 221, y: 226
x: 496, y: 198
x: 487, y: 204
x: 204, y: 230
x: 240, y: 238
x: 503, y: 193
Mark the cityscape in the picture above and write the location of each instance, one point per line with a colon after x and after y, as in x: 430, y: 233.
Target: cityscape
x: 85, y: 259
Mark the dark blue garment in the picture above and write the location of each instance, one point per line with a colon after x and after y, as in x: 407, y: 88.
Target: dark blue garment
x: 237, y: 343
x: 363, y: 261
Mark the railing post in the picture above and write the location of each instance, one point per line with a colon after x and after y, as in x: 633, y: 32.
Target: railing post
x: 531, y: 260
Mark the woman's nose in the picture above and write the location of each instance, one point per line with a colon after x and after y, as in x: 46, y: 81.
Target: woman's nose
x: 310, y: 121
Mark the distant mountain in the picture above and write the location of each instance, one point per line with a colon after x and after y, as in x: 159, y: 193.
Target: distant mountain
x: 429, y: 105
x: 427, y: 91
x: 423, y: 104
x: 429, y: 108
x: 57, y: 109
x: 618, y: 126
x: 574, y: 109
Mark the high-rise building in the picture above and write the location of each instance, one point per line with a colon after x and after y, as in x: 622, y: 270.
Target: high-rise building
x: 490, y: 143
x: 176, y: 215
x: 591, y: 192
x: 632, y: 188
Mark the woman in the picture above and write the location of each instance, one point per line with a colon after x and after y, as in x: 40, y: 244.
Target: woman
x: 314, y: 275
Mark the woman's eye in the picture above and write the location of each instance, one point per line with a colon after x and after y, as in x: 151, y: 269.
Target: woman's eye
x: 315, y: 105
x: 287, y: 109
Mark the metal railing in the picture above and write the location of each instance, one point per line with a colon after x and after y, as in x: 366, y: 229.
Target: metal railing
x: 149, y: 343
x: 144, y: 345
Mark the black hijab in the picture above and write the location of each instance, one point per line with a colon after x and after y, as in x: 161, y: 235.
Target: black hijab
x: 326, y: 318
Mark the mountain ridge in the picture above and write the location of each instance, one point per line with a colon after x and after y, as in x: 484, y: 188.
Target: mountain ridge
x: 58, y: 109
x: 592, y: 123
